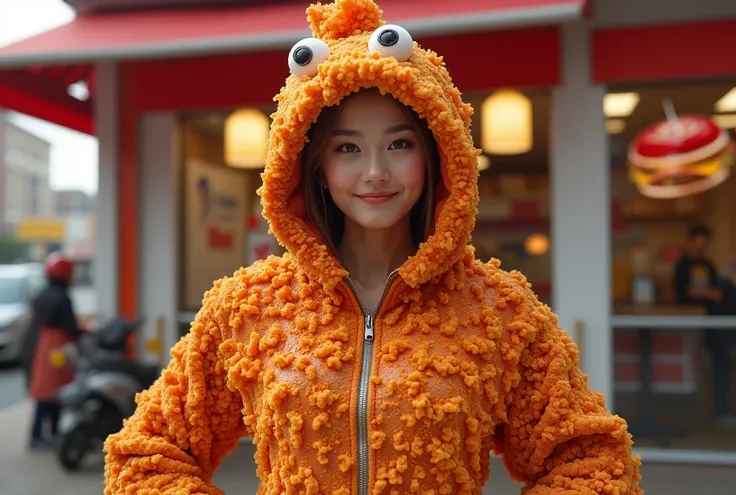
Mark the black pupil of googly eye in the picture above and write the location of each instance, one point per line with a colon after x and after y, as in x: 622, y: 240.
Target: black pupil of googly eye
x: 388, y: 37
x: 303, y: 55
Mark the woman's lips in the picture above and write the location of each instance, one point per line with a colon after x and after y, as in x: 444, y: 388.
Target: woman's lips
x: 377, y: 198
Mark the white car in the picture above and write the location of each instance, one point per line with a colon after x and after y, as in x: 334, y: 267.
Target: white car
x: 19, y: 284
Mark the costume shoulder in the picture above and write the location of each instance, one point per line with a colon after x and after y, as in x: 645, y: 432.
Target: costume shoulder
x: 262, y: 273
x: 513, y: 298
x: 253, y: 290
x: 508, y: 286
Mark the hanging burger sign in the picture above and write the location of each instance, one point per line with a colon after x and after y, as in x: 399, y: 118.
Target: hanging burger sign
x: 680, y: 156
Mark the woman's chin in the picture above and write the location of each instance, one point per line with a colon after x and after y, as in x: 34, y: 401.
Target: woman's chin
x: 376, y: 222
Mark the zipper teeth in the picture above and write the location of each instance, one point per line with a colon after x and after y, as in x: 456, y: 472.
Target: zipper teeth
x: 363, y: 415
x: 365, y: 371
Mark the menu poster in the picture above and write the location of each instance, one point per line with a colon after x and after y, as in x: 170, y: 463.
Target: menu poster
x: 214, y: 233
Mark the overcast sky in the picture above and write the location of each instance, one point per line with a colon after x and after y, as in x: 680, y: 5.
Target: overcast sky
x: 74, y: 155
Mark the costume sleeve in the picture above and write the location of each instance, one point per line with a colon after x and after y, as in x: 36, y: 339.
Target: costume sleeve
x: 558, y: 437
x: 187, y: 422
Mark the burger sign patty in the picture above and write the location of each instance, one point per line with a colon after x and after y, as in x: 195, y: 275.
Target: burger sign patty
x: 680, y: 157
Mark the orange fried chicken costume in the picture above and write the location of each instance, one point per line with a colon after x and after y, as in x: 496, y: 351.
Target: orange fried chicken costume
x: 459, y: 360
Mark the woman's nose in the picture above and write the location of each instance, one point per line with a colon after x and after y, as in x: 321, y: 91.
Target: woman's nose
x: 376, y: 169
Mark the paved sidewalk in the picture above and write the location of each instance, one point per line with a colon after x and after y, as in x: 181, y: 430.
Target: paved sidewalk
x: 23, y: 473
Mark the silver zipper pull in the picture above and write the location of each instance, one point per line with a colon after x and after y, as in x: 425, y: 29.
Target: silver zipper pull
x: 369, y: 327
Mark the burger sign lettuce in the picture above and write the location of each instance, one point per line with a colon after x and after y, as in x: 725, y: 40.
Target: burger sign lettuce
x: 679, y: 157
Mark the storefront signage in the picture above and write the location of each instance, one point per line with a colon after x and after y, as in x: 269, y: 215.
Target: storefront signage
x: 214, y: 226
x: 681, y: 156
x: 41, y: 230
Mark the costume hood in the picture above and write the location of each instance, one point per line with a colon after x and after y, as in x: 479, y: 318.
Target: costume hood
x: 352, y: 49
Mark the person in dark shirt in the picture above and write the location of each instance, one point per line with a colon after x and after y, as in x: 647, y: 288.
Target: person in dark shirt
x: 696, y: 278
x: 55, y: 326
x: 696, y: 282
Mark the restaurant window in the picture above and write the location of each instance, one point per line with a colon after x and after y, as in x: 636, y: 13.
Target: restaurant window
x: 221, y: 226
x: 673, y: 234
x: 513, y: 222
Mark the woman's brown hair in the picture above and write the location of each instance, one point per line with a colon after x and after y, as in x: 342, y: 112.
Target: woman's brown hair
x: 322, y: 211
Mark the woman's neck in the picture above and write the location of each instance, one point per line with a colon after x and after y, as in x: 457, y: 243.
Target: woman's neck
x: 370, y: 255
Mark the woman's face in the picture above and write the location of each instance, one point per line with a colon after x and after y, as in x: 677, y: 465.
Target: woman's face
x: 374, y: 165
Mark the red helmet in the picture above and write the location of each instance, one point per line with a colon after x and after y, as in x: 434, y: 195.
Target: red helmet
x: 58, y: 266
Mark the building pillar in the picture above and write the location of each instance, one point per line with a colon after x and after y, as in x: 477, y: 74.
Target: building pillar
x: 581, y: 221
x: 158, y: 286
x: 107, y: 101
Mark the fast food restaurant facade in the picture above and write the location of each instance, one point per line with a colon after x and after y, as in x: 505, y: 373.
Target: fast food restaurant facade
x: 151, y: 73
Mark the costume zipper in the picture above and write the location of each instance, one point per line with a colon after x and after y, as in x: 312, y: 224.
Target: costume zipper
x: 365, y: 374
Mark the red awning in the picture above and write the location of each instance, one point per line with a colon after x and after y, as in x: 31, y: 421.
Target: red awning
x: 148, y: 34
x: 42, y: 93
x: 167, y: 33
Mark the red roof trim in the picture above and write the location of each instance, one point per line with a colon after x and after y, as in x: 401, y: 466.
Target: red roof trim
x: 190, y: 32
x: 695, y: 50
x: 37, y: 95
x: 168, y: 84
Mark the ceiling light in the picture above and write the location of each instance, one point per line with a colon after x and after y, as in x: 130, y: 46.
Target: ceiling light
x: 246, y: 138
x: 506, y: 123
x: 620, y: 104
x: 615, y: 126
x: 725, y: 121
x: 727, y: 103
x: 536, y: 244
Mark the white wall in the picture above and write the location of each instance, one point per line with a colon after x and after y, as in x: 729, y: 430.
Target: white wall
x: 580, y: 207
x: 158, y: 200
x: 106, y: 263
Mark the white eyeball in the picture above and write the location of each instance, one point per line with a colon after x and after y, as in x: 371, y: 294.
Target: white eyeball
x: 392, y: 41
x: 306, y: 55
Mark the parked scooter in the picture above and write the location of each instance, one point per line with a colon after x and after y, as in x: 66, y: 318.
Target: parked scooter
x: 102, y: 393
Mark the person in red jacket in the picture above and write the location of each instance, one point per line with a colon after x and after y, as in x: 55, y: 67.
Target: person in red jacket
x: 55, y: 326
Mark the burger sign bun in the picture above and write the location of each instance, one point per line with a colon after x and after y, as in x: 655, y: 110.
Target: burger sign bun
x: 680, y: 157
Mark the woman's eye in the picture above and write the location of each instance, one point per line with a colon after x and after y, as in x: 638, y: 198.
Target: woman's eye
x: 348, y: 148
x: 400, y: 144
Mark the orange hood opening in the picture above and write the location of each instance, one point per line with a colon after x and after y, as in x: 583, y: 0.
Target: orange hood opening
x: 349, y: 64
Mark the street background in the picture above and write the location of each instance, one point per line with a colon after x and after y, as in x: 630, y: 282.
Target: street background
x: 12, y: 386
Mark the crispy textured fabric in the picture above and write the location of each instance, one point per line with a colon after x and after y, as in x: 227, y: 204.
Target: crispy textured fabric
x: 466, y: 359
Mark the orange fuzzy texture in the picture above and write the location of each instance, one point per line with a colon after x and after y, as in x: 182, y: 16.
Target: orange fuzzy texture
x: 465, y: 360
